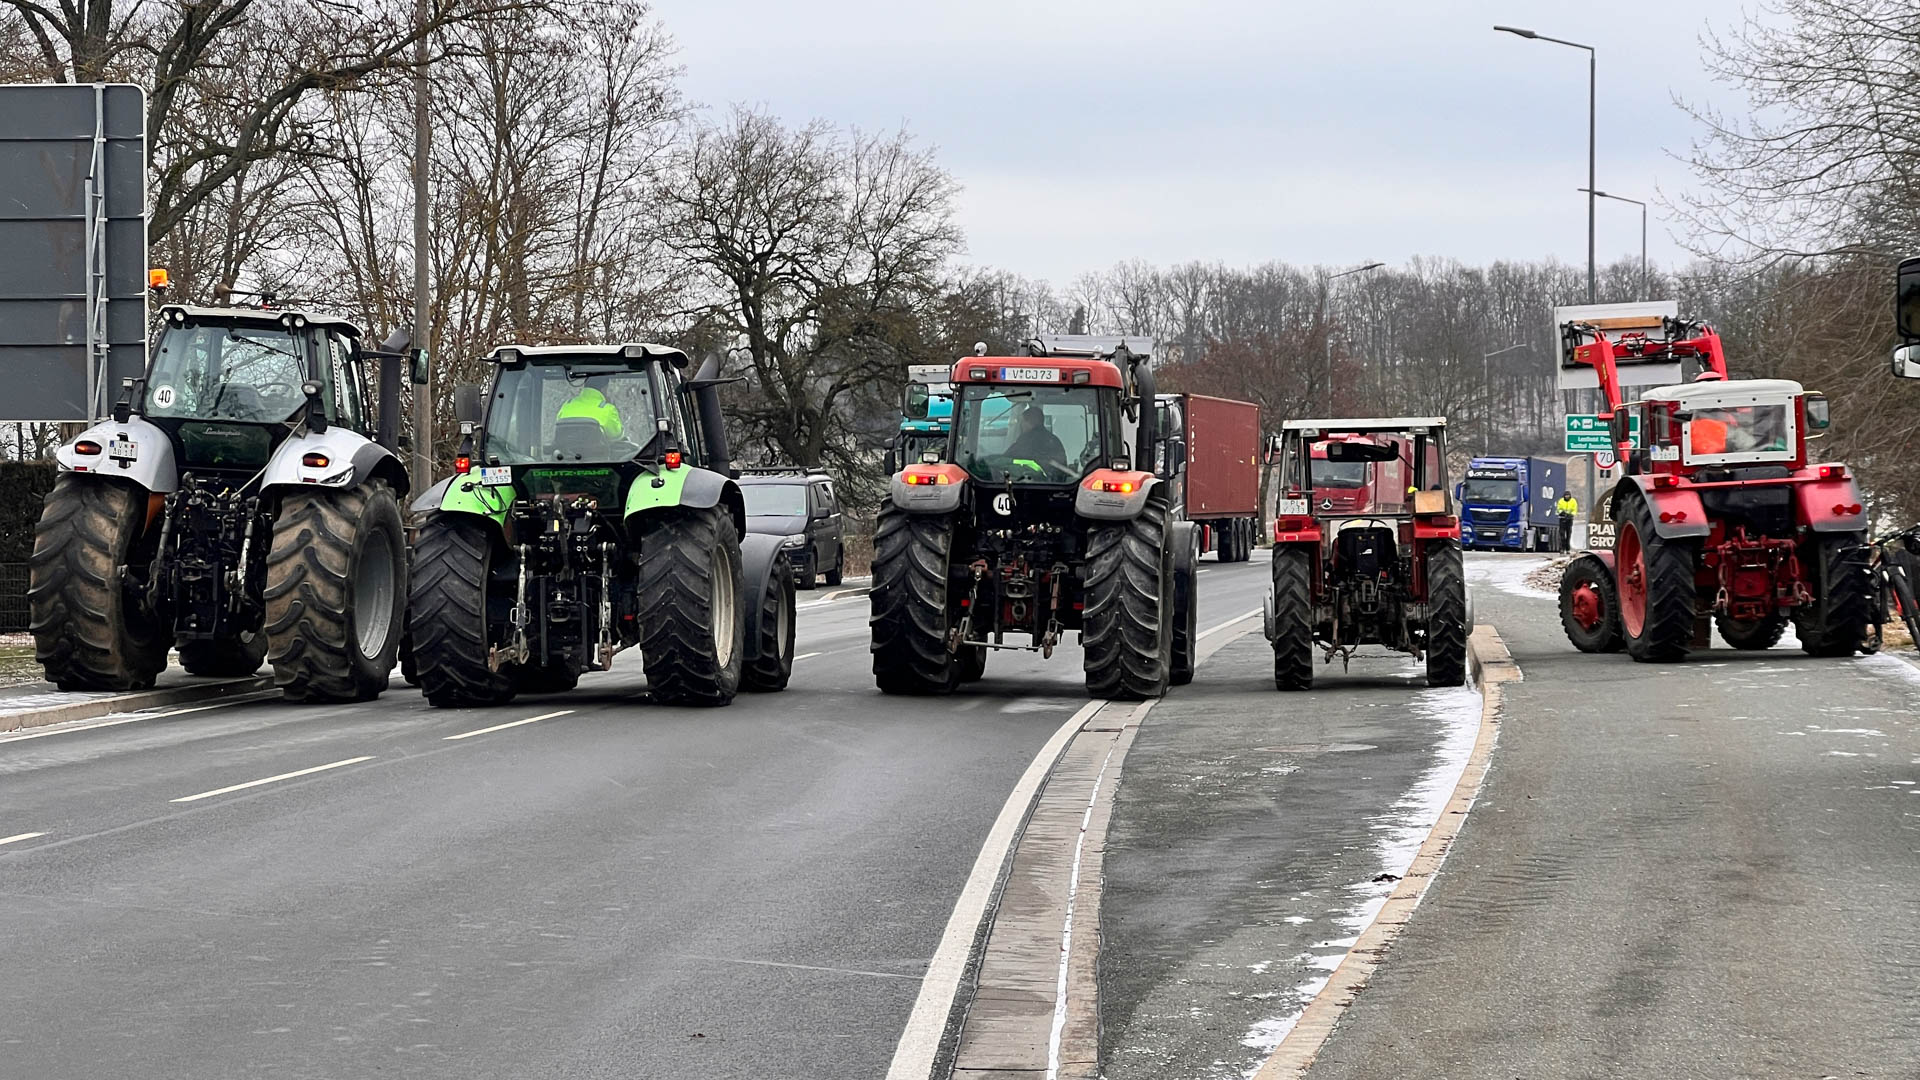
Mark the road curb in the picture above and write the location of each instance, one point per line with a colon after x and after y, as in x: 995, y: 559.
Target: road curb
x: 89, y: 708
x: 1491, y: 665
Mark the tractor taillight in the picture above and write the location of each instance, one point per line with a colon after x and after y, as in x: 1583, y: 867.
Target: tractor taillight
x: 672, y: 459
x: 928, y: 478
x: 1124, y: 487
x: 321, y: 461
x: 1666, y: 480
x: 462, y: 464
x: 1833, y: 472
x: 1845, y: 509
x: 87, y: 447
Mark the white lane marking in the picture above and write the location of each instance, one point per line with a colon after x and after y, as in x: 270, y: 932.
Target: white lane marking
x: 274, y: 779
x: 808, y: 655
x: 1066, y: 929
x: 503, y: 727
x: 115, y: 721
x: 1235, y: 621
x: 913, y: 1056
x: 20, y: 836
x: 804, y: 967
x: 1203, y: 570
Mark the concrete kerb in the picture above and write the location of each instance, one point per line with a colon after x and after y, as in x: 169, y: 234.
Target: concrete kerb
x: 1490, y: 665
x: 88, y: 707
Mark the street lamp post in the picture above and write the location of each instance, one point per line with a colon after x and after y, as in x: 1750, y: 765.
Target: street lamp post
x: 1593, y: 290
x: 1486, y: 393
x: 1330, y: 280
x: 1646, y: 287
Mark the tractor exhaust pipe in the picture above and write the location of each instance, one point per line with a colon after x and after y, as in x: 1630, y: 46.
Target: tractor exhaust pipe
x: 706, y: 396
x: 1149, y: 414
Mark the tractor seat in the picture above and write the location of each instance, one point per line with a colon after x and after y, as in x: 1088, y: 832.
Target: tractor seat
x: 581, y: 439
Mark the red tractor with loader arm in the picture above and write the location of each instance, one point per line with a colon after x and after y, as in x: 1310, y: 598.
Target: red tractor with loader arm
x: 1383, y: 571
x: 1720, y: 516
x: 1037, y: 520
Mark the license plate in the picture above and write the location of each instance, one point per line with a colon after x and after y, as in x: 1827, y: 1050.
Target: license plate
x: 1293, y: 508
x: 123, y: 450
x: 497, y: 475
x: 1029, y: 374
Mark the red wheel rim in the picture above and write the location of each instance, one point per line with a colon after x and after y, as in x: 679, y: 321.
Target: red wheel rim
x: 1632, y: 560
x: 1587, y: 605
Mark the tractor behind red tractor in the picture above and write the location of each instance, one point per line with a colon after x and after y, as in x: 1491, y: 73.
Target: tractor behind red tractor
x: 1720, y: 515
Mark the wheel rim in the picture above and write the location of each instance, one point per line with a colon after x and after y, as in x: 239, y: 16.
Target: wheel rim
x: 1632, y: 559
x: 781, y: 621
x: 373, y: 597
x: 722, y: 611
x: 1587, y: 605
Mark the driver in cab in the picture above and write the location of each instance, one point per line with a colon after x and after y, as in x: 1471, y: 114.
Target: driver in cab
x: 1035, y: 443
x: 591, y: 404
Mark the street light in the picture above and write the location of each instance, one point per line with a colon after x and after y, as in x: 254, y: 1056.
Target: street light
x: 1645, y: 286
x: 1592, y: 82
x: 1486, y: 393
x: 1330, y: 280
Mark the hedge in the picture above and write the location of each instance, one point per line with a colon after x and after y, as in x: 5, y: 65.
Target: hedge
x: 23, y: 485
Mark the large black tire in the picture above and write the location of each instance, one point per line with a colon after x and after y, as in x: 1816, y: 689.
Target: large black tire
x: 910, y: 604
x: 692, y: 618
x: 1835, y: 624
x: 772, y: 664
x: 1292, y: 618
x: 1668, y: 596
x: 233, y: 656
x: 1127, y: 627
x: 1751, y: 633
x: 1446, y: 615
x: 447, y: 614
x: 1604, y: 635
x: 409, y: 670
x: 336, y: 593
x: 1186, y: 616
x: 89, y: 631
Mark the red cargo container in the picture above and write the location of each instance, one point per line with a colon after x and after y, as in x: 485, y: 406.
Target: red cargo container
x: 1220, y: 484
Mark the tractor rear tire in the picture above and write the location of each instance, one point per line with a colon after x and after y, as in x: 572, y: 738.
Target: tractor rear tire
x: 447, y: 613
x: 1604, y: 635
x: 1667, y: 597
x: 1127, y: 627
x: 1752, y: 634
x: 1835, y: 624
x: 89, y: 631
x: 1292, y: 618
x: 973, y: 663
x: 336, y: 593
x: 234, y: 656
x: 692, y: 616
x: 1446, y: 615
x: 772, y: 664
x: 910, y: 604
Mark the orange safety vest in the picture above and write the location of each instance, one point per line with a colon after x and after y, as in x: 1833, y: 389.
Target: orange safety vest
x: 1709, y: 437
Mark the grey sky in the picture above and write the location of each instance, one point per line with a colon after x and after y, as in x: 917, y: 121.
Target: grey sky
x: 1237, y: 130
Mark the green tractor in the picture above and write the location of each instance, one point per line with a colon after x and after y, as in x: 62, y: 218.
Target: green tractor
x: 592, y: 509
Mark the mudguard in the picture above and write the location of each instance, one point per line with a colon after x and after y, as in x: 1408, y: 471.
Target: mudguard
x: 463, y: 493
x: 152, y: 467
x: 352, y: 459
x: 1113, y: 495
x: 760, y: 558
x: 1677, y: 512
x: 689, y: 487
x: 1830, y: 505
x: 925, y: 498
x: 430, y: 499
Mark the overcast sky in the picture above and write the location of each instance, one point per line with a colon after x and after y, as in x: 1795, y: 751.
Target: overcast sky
x: 1334, y: 132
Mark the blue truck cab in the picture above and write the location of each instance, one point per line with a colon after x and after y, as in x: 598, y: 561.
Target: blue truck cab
x: 1507, y: 503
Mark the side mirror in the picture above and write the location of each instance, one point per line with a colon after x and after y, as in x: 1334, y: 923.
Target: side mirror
x: 316, y: 407
x: 1906, y: 362
x: 466, y: 403
x: 417, y: 366
x: 914, y: 401
x: 1819, y: 415
x: 1906, y: 302
x: 1272, y: 448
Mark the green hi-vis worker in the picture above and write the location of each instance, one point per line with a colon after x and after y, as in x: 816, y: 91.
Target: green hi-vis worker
x: 1567, y: 504
x: 1567, y: 508
x: 591, y: 404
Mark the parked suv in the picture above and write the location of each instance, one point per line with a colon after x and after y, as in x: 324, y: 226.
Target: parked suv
x: 799, y: 505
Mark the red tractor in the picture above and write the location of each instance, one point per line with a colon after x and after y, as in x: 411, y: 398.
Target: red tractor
x: 1719, y: 513
x: 1383, y: 571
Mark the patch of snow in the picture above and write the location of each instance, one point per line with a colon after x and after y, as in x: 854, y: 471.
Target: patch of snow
x: 1508, y: 573
x: 1888, y: 664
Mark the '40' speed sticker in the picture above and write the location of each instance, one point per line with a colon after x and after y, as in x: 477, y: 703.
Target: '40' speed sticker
x: 163, y: 396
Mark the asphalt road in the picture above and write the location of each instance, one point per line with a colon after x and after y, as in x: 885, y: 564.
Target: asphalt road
x: 615, y: 889
x: 1699, y: 870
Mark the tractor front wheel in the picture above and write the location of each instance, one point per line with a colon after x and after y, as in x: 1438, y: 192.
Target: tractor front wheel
x: 448, y: 614
x: 1127, y: 628
x: 1761, y: 633
x: 693, y: 633
x: 1446, y: 615
x: 909, y: 603
x: 1590, y: 606
x: 90, y: 631
x: 1657, y: 596
x: 1292, y: 618
x: 336, y: 593
x: 1835, y: 624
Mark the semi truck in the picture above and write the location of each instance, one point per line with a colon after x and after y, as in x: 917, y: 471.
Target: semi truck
x: 1507, y: 503
x: 1210, y: 456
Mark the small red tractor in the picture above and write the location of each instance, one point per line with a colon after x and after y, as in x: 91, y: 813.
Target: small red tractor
x: 1035, y: 519
x: 1719, y: 513
x: 1385, y: 571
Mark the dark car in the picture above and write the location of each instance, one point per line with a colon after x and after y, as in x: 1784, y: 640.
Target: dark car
x: 801, y: 507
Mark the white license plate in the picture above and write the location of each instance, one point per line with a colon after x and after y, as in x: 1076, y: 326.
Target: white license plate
x: 1029, y: 374
x: 497, y: 475
x: 123, y: 449
x: 1293, y: 508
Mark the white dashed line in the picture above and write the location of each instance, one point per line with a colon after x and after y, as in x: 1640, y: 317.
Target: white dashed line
x: 808, y: 655
x: 20, y: 836
x: 503, y: 727
x: 274, y: 779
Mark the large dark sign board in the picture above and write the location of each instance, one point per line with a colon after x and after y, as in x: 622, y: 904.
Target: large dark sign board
x: 73, y: 248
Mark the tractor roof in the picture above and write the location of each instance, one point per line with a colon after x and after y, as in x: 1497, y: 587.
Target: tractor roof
x: 260, y: 316
x: 1723, y: 391
x: 1091, y: 345
x: 549, y: 354
x: 1367, y: 425
x: 1037, y: 371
